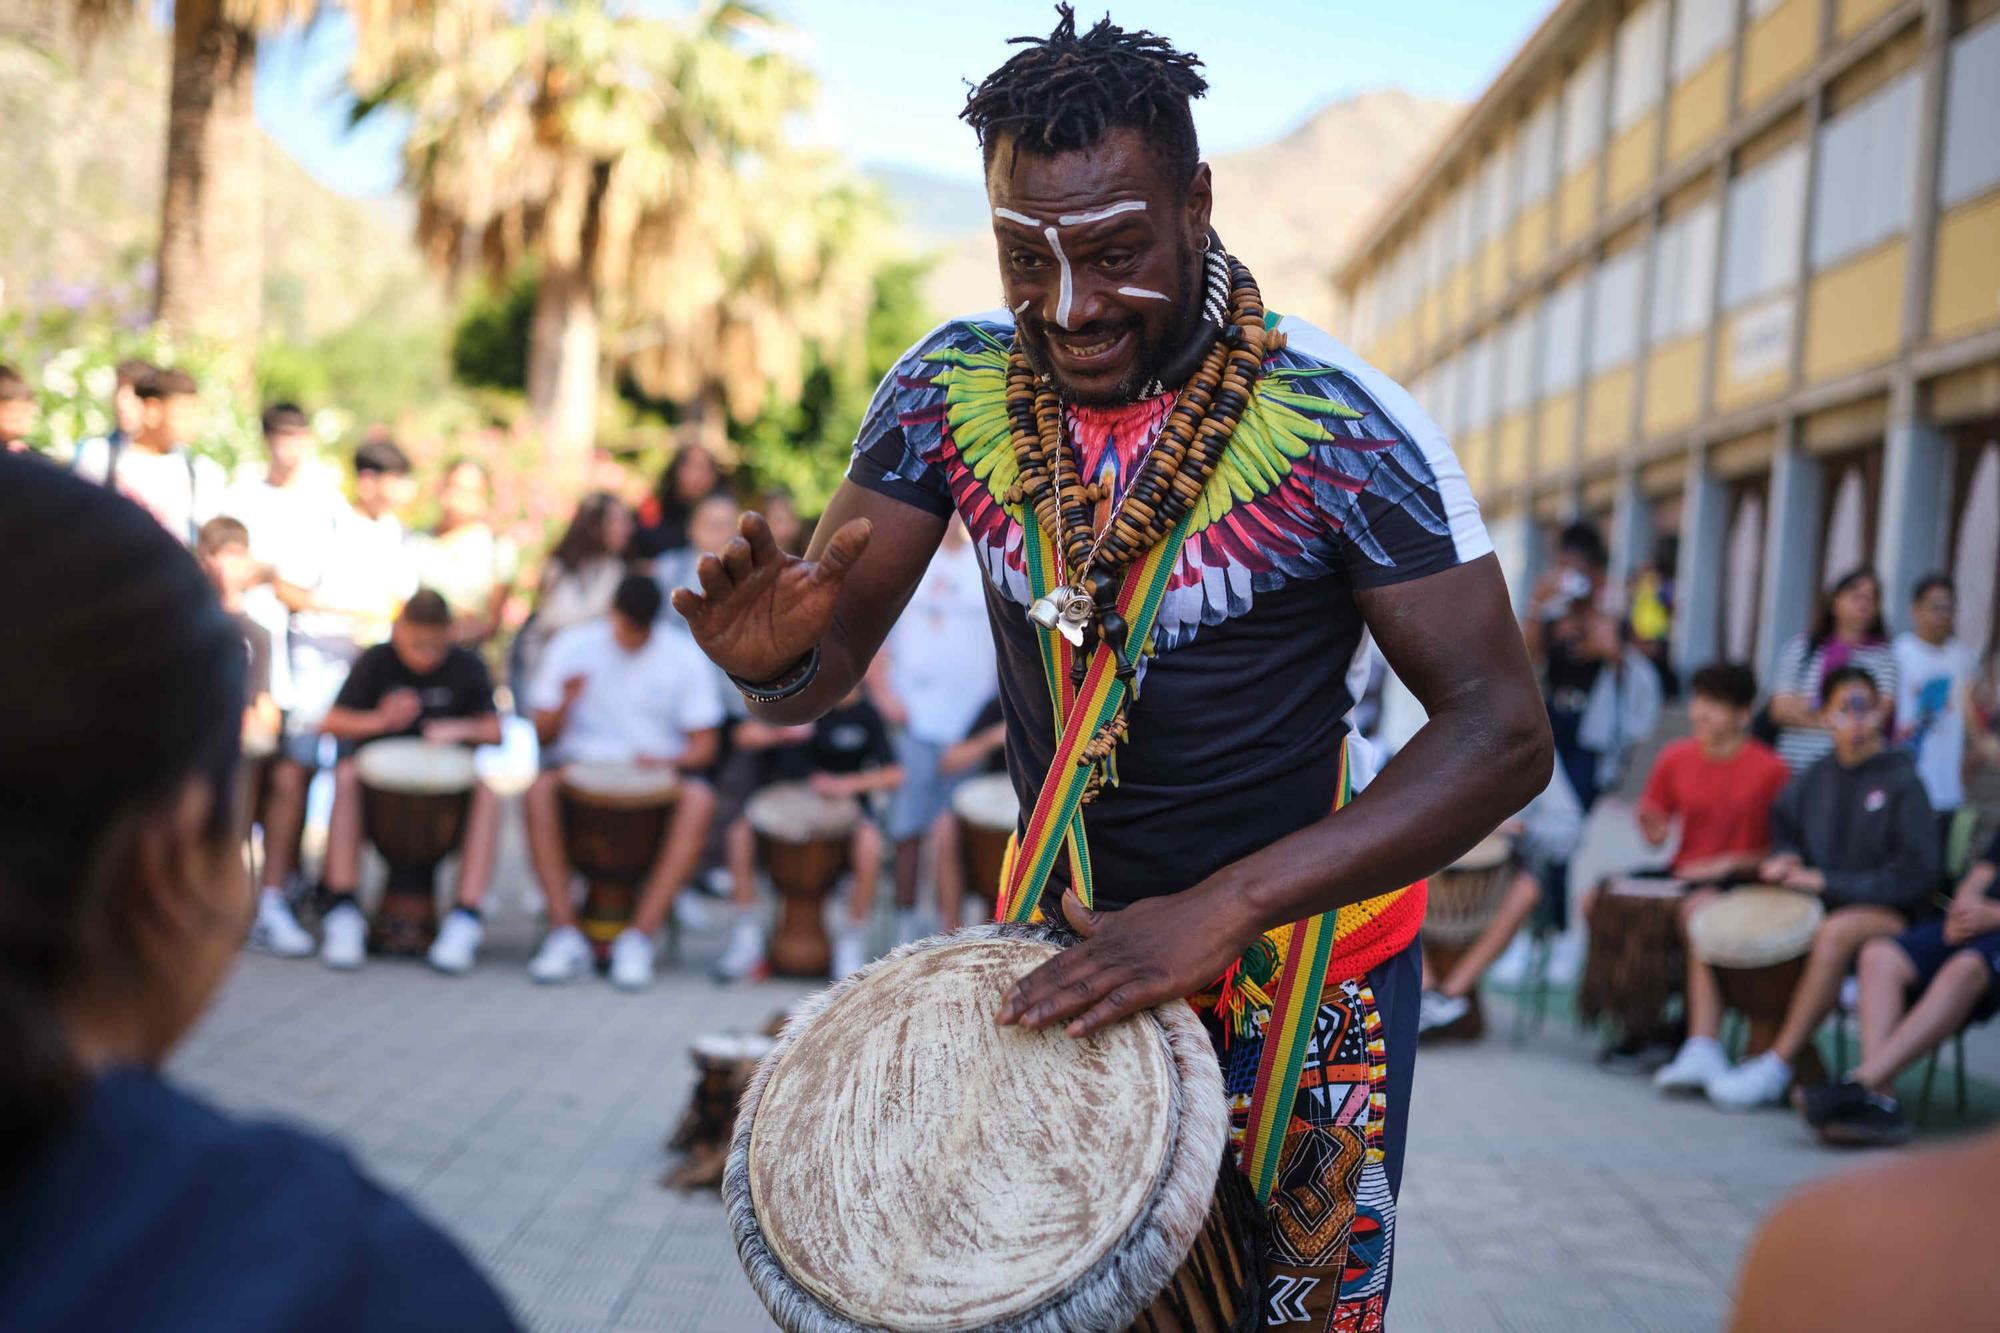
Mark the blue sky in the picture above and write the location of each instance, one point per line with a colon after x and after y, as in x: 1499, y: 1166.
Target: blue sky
x: 891, y: 83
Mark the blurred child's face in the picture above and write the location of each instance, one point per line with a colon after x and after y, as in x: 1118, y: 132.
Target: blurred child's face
x: 1855, y: 608
x: 630, y: 634
x: 287, y: 450
x: 422, y: 648
x: 617, y: 529
x: 1853, y: 713
x: 1716, y: 721
x: 129, y: 408
x: 230, y: 569
x: 1935, y: 614
x: 713, y: 524
x: 379, y: 493
x: 464, y: 499
x: 174, y: 418
x: 17, y: 418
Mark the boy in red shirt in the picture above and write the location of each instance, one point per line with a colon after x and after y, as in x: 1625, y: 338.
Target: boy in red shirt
x: 1720, y: 783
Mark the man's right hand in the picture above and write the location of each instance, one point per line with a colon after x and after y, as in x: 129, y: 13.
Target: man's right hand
x: 398, y: 709
x: 759, y: 610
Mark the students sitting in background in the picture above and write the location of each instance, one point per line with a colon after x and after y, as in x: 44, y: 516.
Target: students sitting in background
x: 579, y: 576
x: 1856, y: 829
x: 416, y: 684
x: 1719, y: 784
x: 983, y: 750
x: 1915, y: 991
x: 223, y: 547
x: 124, y: 1202
x: 1847, y: 632
x: 157, y: 468
x: 625, y: 688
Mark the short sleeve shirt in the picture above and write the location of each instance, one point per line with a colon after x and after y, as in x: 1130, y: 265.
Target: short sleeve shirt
x: 1335, y: 482
x: 634, y: 705
x: 1723, y: 806
x: 459, y: 687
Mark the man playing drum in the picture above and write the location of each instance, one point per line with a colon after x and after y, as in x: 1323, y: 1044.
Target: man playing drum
x: 624, y: 688
x: 1201, y: 510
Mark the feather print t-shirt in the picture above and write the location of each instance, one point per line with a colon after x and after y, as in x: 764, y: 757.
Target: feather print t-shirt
x: 1334, y: 481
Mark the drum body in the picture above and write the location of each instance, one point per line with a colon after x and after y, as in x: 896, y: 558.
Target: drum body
x: 723, y: 1065
x: 414, y: 801
x: 852, y: 1178
x: 1636, y: 963
x: 988, y: 811
x: 614, y: 821
x: 803, y: 840
x: 1461, y: 901
x: 1755, y: 941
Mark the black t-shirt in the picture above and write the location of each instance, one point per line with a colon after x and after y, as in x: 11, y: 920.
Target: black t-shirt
x: 1335, y: 482
x: 459, y: 687
x: 154, y: 1211
x: 257, y: 645
x: 850, y: 739
x: 991, y: 715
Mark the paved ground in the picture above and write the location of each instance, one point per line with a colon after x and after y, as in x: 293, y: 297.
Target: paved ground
x: 1541, y: 1192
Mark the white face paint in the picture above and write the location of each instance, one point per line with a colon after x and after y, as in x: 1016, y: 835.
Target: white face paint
x: 1026, y: 301
x: 1145, y: 292
x: 1021, y: 218
x: 1064, y: 288
x: 1098, y: 215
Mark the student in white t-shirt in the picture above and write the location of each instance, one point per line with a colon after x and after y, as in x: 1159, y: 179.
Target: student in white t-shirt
x: 155, y: 468
x: 625, y: 688
x: 1934, y: 677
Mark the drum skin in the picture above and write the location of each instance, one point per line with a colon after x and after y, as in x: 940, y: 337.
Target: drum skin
x: 612, y: 837
x: 851, y: 1196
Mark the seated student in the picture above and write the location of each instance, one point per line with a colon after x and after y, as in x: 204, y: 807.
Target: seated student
x: 624, y: 688
x: 125, y: 1203
x: 417, y: 684
x: 223, y: 547
x: 1951, y: 968
x: 1720, y: 783
x: 1857, y: 829
x: 846, y: 753
x: 983, y: 750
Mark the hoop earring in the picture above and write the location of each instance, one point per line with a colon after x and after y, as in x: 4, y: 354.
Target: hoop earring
x: 1203, y: 248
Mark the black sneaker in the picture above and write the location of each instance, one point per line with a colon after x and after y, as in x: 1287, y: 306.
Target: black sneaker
x: 1874, y: 1121
x: 1826, y: 1101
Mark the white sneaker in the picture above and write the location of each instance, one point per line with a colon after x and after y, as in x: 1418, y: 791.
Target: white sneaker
x: 276, y: 931
x: 1698, y: 1060
x: 344, y: 938
x: 564, y: 956
x: 1756, y: 1082
x: 1435, y: 1009
x: 1510, y: 969
x: 1566, y: 956
x: 631, y: 960
x: 744, y: 954
x: 850, y: 951
x: 457, y: 942
x: 691, y: 910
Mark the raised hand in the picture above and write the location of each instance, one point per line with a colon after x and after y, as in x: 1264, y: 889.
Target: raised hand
x: 759, y: 610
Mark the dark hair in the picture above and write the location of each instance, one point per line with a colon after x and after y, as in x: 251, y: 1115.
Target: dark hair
x: 1932, y: 581
x: 1847, y: 674
x: 668, y: 491
x: 218, y: 532
x: 583, y: 541
x: 1823, y: 623
x: 1064, y: 92
x: 124, y: 681
x: 280, y: 417
x: 167, y: 384
x: 1581, y: 539
x: 132, y: 372
x: 381, y: 456
x: 13, y: 388
x: 1729, y: 683
x: 427, y: 606
x: 638, y: 599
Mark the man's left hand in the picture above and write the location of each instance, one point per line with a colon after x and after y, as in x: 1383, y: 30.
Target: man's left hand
x: 1156, y: 950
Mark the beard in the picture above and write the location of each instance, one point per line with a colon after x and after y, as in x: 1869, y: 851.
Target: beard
x: 1153, y: 353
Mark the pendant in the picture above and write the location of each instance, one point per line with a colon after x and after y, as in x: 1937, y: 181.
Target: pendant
x: 1064, y: 609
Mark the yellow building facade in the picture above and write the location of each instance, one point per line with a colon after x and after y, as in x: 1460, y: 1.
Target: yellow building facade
x: 1722, y: 271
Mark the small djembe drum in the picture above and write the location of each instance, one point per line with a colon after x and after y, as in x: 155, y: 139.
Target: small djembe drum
x: 614, y: 820
x: 988, y: 811
x: 897, y: 1162
x: 803, y: 840
x: 414, y: 800
x: 1460, y: 901
x: 724, y: 1062
x: 1755, y: 940
x: 1635, y: 964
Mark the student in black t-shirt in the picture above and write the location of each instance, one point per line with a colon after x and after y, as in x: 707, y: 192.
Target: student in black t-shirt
x: 417, y: 684
x: 124, y: 1202
x: 847, y: 753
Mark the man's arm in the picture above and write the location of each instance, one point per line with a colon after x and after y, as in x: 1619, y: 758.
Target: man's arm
x: 700, y: 750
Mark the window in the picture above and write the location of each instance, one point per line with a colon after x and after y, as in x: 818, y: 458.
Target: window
x: 1684, y: 272
x: 1642, y: 47
x: 1583, y: 114
x: 1493, y: 193
x: 1562, y: 337
x: 1517, y: 359
x: 1971, y: 157
x: 1867, y: 158
x: 1538, y: 153
x: 1701, y: 28
x: 1614, y: 319
x: 1761, y: 234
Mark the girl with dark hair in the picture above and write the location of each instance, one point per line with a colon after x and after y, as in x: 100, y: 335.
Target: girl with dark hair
x: 578, y: 578
x: 692, y: 477
x: 125, y: 1203
x: 1847, y: 631
x: 463, y: 558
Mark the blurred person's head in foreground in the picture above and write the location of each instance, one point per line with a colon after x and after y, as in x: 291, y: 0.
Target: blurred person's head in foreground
x: 223, y: 548
x: 287, y: 440
x: 1721, y: 696
x: 170, y: 407
x: 17, y: 409
x: 421, y: 635
x: 382, y: 480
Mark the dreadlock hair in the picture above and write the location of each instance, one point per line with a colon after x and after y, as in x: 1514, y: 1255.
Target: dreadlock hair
x: 1064, y: 92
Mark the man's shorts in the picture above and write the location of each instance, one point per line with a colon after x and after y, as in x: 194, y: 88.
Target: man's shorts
x: 1925, y: 945
x: 925, y: 793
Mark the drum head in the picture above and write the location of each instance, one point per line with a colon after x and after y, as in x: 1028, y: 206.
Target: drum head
x: 988, y: 801
x: 1491, y: 853
x: 902, y: 1162
x: 794, y: 812
x: 620, y: 784
x: 1755, y: 927
x: 407, y: 764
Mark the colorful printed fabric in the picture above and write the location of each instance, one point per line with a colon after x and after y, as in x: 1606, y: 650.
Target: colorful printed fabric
x: 1334, y: 482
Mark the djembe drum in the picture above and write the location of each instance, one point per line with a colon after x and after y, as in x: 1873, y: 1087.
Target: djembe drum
x: 1755, y: 941
x: 724, y: 1062
x: 414, y: 800
x: 988, y: 811
x: 614, y: 818
x: 1461, y: 900
x: 902, y: 1162
x: 1635, y: 964
x: 803, y: 840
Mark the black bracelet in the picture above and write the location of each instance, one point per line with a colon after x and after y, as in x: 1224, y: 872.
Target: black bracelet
x: 791, y: 682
